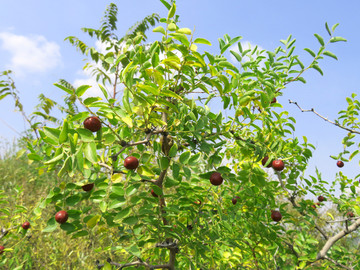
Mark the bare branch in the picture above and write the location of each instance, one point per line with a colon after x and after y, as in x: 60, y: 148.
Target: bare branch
x: 324, y: 118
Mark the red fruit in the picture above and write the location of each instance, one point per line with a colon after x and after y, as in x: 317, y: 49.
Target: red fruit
x: 273, y: 100
x: 234, y: 201
x: 321, y: 198
x: 278, y: 165
x: 276, y: 215
x: 61, y: 217
x: 313, y: 206
x: 350, y: 214
x: 264, y: 160
x: 2, y: 249
x: 26, y: 225
x: 340, y: 164
x: 216, y: 179
x: 153, y: 193
x: 131, y: 163
x: 88, y: 187
x: 92, y: 123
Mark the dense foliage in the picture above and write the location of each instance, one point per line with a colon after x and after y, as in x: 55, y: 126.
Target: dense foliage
x: 185, y: 115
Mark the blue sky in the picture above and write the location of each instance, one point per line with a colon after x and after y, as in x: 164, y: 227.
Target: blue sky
x: 32, y: 44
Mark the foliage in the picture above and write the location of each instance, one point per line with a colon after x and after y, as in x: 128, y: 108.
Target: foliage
x: 156, y: 107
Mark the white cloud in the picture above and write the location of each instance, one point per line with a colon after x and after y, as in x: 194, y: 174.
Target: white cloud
x: 32, y: 54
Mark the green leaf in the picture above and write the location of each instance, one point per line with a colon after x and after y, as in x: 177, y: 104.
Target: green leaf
x: 172, y: 11
x: 64, y: 132
x: 66, y: 166
x: 68, y: 227
x: 72, y: 200
x: 173, y: 150
x: 316, y: 67
x: 80, y: 234
x: 149, y: 89
x: 93, y: 221
x: 320, y: 39
x: 54, y: 159
x: 52, y: 133
x: 90, y: 152
x: 310, y: 51
x: 334, y: 27
x: 184, y: 158
x: 67, y: 90
x: 236, y: 55
x: 104, y: 91
x: 91, y: 100
x: 51, y: 225
x: 330, y: 54
x: 327, y: 28
x: 33, y: 156
x: 130, y: 220
x: 202, y: 41
x: 81, y: 90
x: 85, y: 134
x: 164, y: 163
x: 122, y: 214
x: 166, y: 4
x: 169, y: 93
x: 194, y: 159
x: 336, y: 39
x: 159, y: 29
x: 185, y: 31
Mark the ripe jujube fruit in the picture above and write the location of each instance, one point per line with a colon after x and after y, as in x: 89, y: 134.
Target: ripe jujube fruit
x: 278, y: 165
x: 26, y: 225
x: 350, y: 214
x: 340, y: 164
x: 276, y: 215
x: 131, y: 163
x: 2, y: 249
x: 153, y: 193
x: 234, y: 201
x: 61, y: 217
x: 321, y: 198
x: 265, y: 160
x: 88, y: 187
x: 216, y: 179
x: 92, y: 123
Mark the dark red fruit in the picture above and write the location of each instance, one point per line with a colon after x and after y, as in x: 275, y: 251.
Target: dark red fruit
x: 340, y: 164
x: 2, y: 249
x: 153, y: 193
x: 276, y: 215
x: 131, y: 163
x: 350, y: 214
x: 92, y: 123
x: 264, y: 160
x: 273, y: 100
x: 321, y: 198
x: 26, y: 225
x: 313, y: 206
x: 216, y: 179
x: 278, y: 165
x: 234, y: 201
x: 61, y: 217
x: 88, y: 187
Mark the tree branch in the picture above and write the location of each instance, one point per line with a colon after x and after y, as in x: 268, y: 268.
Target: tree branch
x: 324, y: 118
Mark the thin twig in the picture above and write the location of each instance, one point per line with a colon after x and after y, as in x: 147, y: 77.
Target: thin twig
x: 324, y: 118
